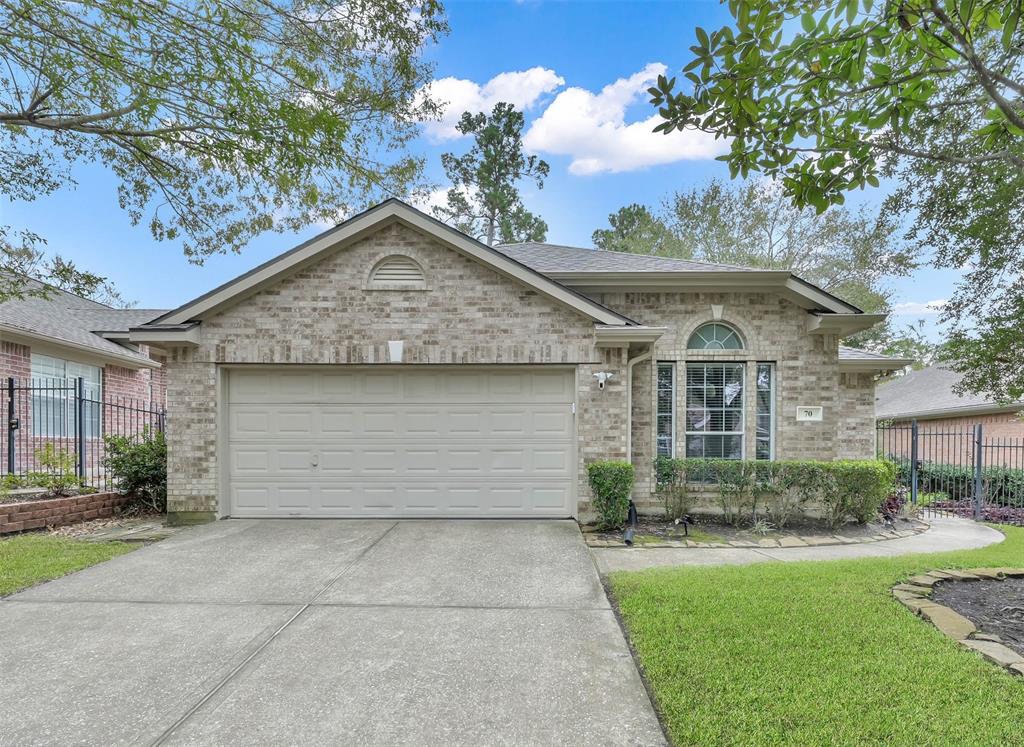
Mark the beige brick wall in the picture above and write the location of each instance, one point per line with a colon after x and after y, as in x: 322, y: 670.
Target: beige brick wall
x: 324, y: 315
x: 773, y: 330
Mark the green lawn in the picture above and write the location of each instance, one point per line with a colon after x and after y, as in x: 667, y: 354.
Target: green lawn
x: 29, y: 559
x: 815, y: 653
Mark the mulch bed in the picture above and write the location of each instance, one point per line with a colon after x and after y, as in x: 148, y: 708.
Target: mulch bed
x: 995, y: 607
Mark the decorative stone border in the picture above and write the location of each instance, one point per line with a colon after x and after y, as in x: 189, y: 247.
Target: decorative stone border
x: 915, y: 593
x: 767, y: 542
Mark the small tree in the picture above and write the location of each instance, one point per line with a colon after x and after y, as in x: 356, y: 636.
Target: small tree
x: 484, y: 200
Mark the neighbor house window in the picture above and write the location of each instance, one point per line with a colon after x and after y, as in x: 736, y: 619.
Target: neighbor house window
x: 765, y: 442
x: 714, y: 336
x: 666, y: 409
x: 54, y: 406
x: 714, y: 410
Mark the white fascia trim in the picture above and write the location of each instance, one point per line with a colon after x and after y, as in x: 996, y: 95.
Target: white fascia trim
x: 107, y: 356
x: 619, y: 335
x: 848, y: 365
x: 841, y: 324
x: 801, y: 293
x: 353, y: 229
x: 165, y: 337
x: 954, y: 412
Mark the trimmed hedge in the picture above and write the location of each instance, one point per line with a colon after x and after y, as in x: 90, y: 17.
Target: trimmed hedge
x: 611, y: 483
x: 780, y: 491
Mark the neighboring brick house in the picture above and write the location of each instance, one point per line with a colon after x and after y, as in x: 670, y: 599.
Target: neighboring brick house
x: 393, y: 366
x: 946, y: 419
x: 46, y: 344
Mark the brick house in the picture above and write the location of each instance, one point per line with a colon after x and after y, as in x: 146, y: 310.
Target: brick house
x: 393, y: 366
x: 46, y: 345
x: 928, y: 396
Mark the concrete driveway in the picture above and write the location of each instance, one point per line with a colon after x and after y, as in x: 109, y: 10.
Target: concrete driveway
x: 326, y: 632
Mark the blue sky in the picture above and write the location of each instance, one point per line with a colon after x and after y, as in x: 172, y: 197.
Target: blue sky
x: 578, y: 69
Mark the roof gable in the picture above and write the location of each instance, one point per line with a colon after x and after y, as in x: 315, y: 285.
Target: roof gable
x: 360, y: 226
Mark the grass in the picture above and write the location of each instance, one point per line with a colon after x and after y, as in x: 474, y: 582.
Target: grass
x: 29, y: 559
x: 815, y: 653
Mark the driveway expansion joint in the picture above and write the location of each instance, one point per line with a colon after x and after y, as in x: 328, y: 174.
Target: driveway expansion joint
x: 237, y: 669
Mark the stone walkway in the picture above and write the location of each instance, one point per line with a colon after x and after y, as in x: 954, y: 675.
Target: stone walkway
x: 945, y: 534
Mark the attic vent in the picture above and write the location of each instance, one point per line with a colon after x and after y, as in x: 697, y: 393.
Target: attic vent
x: 398, y: 271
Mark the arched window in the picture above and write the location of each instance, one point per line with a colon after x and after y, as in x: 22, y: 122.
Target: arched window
x: 398, y: 270
x: 714, y: 336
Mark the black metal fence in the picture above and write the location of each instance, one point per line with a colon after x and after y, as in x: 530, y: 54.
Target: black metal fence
x: 61, y: 425
x: 960, y: 472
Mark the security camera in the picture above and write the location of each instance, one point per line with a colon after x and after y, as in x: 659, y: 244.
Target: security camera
x: 602, y: 377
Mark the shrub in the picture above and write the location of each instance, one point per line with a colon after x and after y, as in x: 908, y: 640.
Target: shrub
x: 611, y: 483
x: 58, y: 470
x: 842, y: 490
x: 677, y: 495
x: 139, y: 466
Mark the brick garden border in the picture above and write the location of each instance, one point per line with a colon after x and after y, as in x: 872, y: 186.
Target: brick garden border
x: 915, y: 593
x: 55, y: 512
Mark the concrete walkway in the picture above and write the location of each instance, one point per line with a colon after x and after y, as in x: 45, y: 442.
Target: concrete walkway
x: 946, y: 534
x: 327, y: 632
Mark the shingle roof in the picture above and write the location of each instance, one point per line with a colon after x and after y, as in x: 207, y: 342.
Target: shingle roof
x: 559, y: 258
x: 928, y: 391
x: 65, y: 317
x: 856, y: 354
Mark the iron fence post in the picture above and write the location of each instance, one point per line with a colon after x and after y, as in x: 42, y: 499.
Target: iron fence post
x: 10, y: 425
x: 913, y: 462
x: 978, y: 483
x: 80, y: 417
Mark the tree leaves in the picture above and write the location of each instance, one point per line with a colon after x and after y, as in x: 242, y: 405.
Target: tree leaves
x: 220, y: 120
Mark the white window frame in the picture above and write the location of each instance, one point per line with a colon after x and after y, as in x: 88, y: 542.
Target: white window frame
x: 64, y: 373
x: 658, y: 413
x: 772, y: 389
x: 742, y: 409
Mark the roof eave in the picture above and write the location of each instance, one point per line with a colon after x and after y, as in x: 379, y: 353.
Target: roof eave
x: 615, y: 336
x: 166, y: 336
x: 953, y: 412
x: 842, y: 324
x: 108, y: 356
x: 848, y: 365
x: 363, y: 224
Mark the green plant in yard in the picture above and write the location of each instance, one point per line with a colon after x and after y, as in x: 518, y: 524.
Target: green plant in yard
x: 139, y: 466
x: 58, y: 469
x: 611, y: 483
x: 814, y: 653
x: 841, y: 490
x: 677, y: 495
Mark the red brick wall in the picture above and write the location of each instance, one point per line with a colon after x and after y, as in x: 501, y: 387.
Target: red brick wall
x: 951, y: 441
x: 15, y: 360
x: 55, y: 512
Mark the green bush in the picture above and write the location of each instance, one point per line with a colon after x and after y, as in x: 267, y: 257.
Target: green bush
x: 58, y: 470
x: 611, y: 483
x: 782, y: 490
x: 139, y: 466
x: 676, y: 493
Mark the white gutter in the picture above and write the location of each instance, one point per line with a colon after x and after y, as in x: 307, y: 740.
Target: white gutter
x: 629, y: 398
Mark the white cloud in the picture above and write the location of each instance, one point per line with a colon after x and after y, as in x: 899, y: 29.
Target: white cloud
x: 592, y: 129
x: 522, y: 89
x: 427, y: 201
x: 919, y: 308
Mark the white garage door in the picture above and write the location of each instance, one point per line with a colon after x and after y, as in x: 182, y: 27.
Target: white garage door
x: 394, y: 442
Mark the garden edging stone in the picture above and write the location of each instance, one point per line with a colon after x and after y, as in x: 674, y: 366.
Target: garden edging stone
x: 915, y: 595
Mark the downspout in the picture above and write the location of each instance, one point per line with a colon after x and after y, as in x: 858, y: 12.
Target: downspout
x: 629, y: 398
x: 631, y: 529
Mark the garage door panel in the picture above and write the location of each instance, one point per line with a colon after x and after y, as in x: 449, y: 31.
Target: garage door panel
x: 399, y: 499
x: 323, y: 459
x: 401, y: 442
